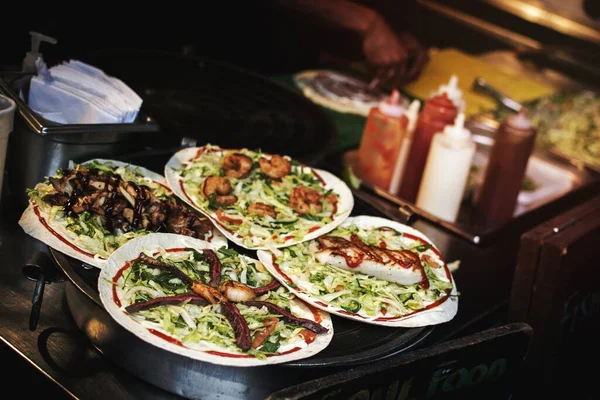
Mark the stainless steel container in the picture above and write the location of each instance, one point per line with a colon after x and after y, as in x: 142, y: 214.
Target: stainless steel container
x: 38, y: 147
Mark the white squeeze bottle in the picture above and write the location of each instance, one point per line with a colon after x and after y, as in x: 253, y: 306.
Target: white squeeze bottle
x: 446, y: 171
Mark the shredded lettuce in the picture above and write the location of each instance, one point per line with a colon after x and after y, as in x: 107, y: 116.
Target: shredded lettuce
x: 360, y: 293
x: 198, y: 326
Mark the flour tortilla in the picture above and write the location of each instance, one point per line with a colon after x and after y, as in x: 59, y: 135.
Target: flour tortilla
x: 345, y: 203
x: 159, y: 241
x: 442, y: 313
x: 339, y: 92
x: 37, y: 223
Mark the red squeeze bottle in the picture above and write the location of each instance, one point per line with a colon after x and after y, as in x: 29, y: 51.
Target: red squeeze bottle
x: 439, y: 111
x: 513, y: 144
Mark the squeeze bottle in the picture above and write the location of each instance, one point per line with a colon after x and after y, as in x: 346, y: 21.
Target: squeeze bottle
x: 505, y: 171
x: 380, y: 145
x: 446, y: 171
x: 412, y: 113
x: 439, y: 110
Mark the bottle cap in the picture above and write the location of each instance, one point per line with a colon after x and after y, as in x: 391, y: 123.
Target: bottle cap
x: 452, y: 91
x: 392, y: 106
x: 458, y: 132
x: 519, y: 121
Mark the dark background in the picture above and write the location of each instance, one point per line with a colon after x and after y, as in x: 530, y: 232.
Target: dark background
x: 254, y: 34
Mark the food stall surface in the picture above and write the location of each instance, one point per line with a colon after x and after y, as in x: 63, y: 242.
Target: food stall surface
x: 63, y: 353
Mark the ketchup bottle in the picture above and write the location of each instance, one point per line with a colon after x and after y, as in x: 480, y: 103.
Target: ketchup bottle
x: 384, y: 132
x: 439, y: 111
x: 505, y: 171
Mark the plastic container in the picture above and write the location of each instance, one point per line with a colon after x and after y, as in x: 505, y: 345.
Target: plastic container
x: 438, y: 111
x: 7, y: 113
x: 446, y: 171
x: 380, y: 145
x: 505, y: 171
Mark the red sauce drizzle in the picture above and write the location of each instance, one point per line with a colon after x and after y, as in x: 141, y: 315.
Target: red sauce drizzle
x: 321, y: 303
x: 287, y: 278
x: 185, y: 192
x: 315, y: 313
x: 318, y: 177
x: 169, y: 191
x: 216, y: 221
x: 58, y: 235
x: 349, y: 313
x: 429, y: 307
x: 308, y: 335
x: 225, y: 218
x: 314, y: 228
x: 221, y: 354
x: 288, y: 237
x: 422, y: 241
x: 425, y: 283
x: 115, y: 279
x: 165, y: 337
x: 334, y: 201
x: 199, y: 152
x: 175, y: 250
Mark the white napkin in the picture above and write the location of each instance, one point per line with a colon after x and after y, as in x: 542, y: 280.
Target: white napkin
x: 78, y: 93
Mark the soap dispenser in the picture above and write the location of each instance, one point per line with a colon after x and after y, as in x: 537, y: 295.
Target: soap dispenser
x: 29, y: 62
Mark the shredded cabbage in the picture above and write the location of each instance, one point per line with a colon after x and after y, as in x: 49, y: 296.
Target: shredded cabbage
x: 359, y: 293
x: 258, y: 188
x: 202, y: 326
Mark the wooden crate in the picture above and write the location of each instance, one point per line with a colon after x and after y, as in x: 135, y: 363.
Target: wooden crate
x: 556, y: 290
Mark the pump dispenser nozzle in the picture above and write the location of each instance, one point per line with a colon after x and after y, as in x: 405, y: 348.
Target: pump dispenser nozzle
x: 29, y: 62
x: 452, y: 91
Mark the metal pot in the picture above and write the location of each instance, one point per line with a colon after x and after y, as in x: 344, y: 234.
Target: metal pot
x: 38, y: 147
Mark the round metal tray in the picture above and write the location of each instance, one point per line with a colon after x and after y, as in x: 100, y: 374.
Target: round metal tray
x: 353, y: 343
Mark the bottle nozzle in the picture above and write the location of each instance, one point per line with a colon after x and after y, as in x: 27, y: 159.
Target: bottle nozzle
x: 453, y: 82
x: 459, y: 122
x: 392, y: 106
x: 37, y: 38
x: 520, y: 121
x: 412, y: 113
x: 458, y: 132
x: 394, y: 98
x: 453, y: 92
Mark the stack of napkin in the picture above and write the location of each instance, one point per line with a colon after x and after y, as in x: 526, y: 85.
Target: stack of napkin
x: 78, y: 93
